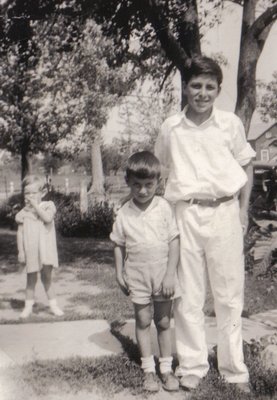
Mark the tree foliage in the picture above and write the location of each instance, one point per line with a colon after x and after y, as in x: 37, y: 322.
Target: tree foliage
x: 142, y: 116
x: 160, y: 36
x: 61, y: 83
x: 267, y: 104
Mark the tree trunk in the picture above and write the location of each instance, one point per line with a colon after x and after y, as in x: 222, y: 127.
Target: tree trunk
x: 25, y: 162
x: 97, y: 188
x: 253, y: 36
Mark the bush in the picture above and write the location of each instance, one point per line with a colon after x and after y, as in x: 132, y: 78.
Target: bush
x: 97, y: 222
x: 9, y: 209
x: 70, y: 222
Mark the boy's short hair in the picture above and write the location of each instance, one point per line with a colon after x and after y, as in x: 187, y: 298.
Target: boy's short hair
x: 199, y: 65
x: 143, y: 165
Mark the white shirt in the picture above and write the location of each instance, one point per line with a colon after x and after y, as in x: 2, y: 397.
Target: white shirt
x: 203, y: 161
x: 140, y: 231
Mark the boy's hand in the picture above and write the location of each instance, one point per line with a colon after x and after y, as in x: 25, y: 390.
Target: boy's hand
x: 168, y: 285
x: 123, y: 285
x: 21, y: 258
x: 244, y: 220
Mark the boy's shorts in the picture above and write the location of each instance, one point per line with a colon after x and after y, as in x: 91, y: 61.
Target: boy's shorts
x: 144, y: 274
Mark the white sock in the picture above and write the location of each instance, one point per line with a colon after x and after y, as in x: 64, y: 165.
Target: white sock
x: 165, y: 364
x: 28, y: 308
x: 29, y: 303
x: 55, y: 308
x: 148, y: 364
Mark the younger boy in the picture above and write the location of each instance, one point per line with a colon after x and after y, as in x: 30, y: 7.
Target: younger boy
x: 146, y: 255
x: 210, y: 177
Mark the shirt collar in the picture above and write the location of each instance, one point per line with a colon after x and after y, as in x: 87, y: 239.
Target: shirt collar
x: 181, y: 117
x: 152, y: 205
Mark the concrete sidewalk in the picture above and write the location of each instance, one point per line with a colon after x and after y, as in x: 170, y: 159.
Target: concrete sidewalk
x: 23, y: 343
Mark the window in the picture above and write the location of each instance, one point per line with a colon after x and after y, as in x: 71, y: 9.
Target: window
x: 264, y: 155
x: 268, y: 135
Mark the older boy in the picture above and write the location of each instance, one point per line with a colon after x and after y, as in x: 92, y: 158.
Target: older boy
x: 205, y: 153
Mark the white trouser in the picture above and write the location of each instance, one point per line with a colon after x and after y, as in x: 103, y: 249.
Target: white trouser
x: 211, y: 242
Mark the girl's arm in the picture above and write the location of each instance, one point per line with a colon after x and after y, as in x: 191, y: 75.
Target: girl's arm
x: 46, y: 216
x: 20, y: 244
x: 119, y: 256
x: 168, y: 284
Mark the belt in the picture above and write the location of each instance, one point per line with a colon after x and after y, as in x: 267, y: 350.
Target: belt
x: 209, y: 202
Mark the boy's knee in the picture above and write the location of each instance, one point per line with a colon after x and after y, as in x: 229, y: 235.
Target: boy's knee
x: 143, y: 322
x: 163, y: 323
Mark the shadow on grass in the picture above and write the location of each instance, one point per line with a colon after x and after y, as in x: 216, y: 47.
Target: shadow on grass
x: 70, y: 250
x: 129, y: 347
x: 100, y: 304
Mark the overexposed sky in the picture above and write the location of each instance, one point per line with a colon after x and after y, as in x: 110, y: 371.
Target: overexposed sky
x: 223, y: 38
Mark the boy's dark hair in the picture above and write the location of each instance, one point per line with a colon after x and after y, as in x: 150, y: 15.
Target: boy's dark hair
x: 199, y: 65
x: 143, y: 165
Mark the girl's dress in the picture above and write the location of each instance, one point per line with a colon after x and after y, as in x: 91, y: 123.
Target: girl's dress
x: 39, y: 238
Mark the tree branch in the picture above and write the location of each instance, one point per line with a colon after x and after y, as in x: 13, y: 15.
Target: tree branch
x: 263, y: 21
x: 170, y: 45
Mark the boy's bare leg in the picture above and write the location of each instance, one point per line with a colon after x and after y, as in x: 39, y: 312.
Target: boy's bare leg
x: 162, y: 313
x: 143, y: 323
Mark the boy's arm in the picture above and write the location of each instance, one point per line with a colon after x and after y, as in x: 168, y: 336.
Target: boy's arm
x: 20, y: 244
x: 168, y: 284
x: 245, y: 196
x: 119, y: 256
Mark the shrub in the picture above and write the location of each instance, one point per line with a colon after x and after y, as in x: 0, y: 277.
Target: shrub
x: 70, y: 222
x: 9, y: 209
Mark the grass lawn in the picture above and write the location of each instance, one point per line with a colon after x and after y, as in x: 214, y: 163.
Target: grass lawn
x: 86, y: 288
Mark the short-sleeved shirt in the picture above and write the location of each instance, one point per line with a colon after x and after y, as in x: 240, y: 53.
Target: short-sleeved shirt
x: 136, y: 229
x: 203, y: 161
x: 146, y: 236
x: 39, y: 238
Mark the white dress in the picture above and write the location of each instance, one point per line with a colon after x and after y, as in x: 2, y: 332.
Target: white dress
x: 39, y: 238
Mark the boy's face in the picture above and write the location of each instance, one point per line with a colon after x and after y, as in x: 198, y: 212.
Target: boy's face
x: 142, y: 190
x: 201, y: 91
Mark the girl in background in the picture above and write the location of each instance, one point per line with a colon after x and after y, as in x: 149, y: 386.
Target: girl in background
x: 36, y: 242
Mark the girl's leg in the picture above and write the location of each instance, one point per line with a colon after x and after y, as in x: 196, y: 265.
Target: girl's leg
x: 143, y: 324
x: 46, y: 278
x: 30, y: 294
x: 162, y: 314
x: 31, y: 284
